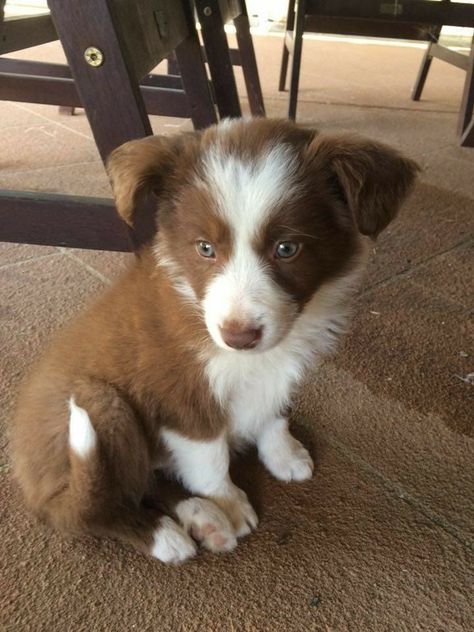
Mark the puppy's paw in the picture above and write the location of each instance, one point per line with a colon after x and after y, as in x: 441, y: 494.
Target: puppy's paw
x: 171, y: 544
x: 294, y: 464
x: 207, y: 524
x: 283, y: 455
x: 240, y: 512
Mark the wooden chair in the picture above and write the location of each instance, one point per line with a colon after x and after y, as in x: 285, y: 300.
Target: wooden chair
x: 408, y: 19
x: 110, y: 47
x: 213, y: 15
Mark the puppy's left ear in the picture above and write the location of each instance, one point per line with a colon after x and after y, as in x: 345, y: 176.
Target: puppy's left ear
x: 139, y: 167
x: 373, y: 179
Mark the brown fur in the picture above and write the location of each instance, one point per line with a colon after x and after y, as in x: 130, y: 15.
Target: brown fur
x: 133, y: 360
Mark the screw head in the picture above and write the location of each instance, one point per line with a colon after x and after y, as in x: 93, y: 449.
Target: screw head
x: 207, y: 11
x: 94, y: 56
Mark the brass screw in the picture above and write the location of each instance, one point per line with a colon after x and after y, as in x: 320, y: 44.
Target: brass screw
x: 94, y: 56
x: 207, y: 11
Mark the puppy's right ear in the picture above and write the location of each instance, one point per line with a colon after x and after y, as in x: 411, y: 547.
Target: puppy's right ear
x: 139, y: 167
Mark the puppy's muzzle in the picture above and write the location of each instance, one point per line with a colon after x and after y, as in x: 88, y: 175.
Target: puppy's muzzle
x: 240, y: 335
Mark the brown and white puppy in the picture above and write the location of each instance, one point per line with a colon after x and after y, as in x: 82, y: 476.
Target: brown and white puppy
x: 200, y: 345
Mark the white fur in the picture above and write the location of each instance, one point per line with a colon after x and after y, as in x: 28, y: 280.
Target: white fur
x: 171, y: 544
x: 207, y: 524
x: 175, y: 274
x: 82, y: 436
x: 283, y: 455
x: 246, y: 193
x: 203, y: 467
x: 256, y: 387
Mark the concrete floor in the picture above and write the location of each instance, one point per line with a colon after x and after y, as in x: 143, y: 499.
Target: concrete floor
x: 381, y: 539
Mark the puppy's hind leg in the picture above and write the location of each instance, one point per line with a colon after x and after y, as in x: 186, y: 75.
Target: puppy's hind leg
x: 110, y: 474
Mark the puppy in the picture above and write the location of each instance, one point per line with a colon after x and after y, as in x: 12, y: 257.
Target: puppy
x: 198, y: 348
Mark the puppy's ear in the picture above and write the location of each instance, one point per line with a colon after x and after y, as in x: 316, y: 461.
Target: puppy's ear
x: 373, y: 179
x: 139, y: 167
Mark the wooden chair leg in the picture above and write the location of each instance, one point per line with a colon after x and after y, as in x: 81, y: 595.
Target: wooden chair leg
x: 424, y: 68
x: 66, y: 110
x: 172, y: 65
x: 191, y: 67
x: 467, y: 138
x: 290, y: 24
x: 465, y: 120
x: 249, y: 62
x: 113, y: 121
x: 296, y: 61
x: 218, y: 58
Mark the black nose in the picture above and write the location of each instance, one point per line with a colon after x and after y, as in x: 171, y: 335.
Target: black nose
x: 239, y: 336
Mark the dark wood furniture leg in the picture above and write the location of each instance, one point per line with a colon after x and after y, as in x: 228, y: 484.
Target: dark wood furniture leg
x: 218, y: 57
x: 466, y: 120
x: 194, y: 77
x: 296, y: 58
x: 249, y: 62
x: 287, y: 44
x: 112, y: 123
x: 424, y: 68
x: 126, y: 118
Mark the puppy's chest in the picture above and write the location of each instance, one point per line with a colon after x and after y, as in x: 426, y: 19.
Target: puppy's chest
x: 253, y: 389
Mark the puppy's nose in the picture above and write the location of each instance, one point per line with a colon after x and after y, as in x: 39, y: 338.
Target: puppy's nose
x: 239, y: 335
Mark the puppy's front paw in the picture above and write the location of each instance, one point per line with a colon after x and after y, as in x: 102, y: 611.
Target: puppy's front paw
x: 240, y: 512
x: 283, y: 455
x: 171, y: 544
x: 207, y: 524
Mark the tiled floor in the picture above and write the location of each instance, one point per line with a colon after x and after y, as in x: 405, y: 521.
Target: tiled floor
x: 381, y: 539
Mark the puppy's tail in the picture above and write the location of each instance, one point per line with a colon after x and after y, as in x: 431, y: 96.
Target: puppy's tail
x: 66, y: 510
x: 82, y: 436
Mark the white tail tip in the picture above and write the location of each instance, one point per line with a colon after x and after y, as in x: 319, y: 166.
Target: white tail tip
x: 82, y: 436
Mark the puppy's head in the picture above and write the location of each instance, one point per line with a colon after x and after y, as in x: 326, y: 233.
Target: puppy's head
x: 255, y: 216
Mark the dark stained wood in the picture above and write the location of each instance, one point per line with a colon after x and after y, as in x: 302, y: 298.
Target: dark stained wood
x: 149, y: 29
x: 296, y: 57
x: 450, y: 56
x: 63, y: 92
x: 288, y: 41
x: 421, y: 11
x: 22, y: 32
x: 112, y: 123
x: 218, y: 57
x: 193, y: 73
x: 369, y: 28
x: 406, y: 19
x: 28, y: 67
x: 61, y: 220
x: 248, y: 62
x: 467, y: 137
x: 425, y: 66
x: 229, y: 9
x: 466, y: 120
x: 116, y: 107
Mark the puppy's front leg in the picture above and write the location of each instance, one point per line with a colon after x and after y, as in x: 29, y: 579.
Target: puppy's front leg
x: 203, y: 468
x: 283, y: 455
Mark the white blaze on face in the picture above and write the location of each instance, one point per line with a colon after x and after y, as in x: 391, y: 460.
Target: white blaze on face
x: 246, y: 193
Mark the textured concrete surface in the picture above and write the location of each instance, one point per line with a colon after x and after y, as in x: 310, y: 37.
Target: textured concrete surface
x: 382, y: 537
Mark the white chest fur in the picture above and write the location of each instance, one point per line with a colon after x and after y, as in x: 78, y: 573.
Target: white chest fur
x: 256, y: 387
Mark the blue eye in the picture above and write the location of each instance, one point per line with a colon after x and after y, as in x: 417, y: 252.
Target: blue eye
x: 205, y: 249
x: 286, y: 250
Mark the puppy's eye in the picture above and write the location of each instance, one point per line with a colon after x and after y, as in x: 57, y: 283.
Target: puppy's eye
x: 205, y: 249
x: 286, y: 250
